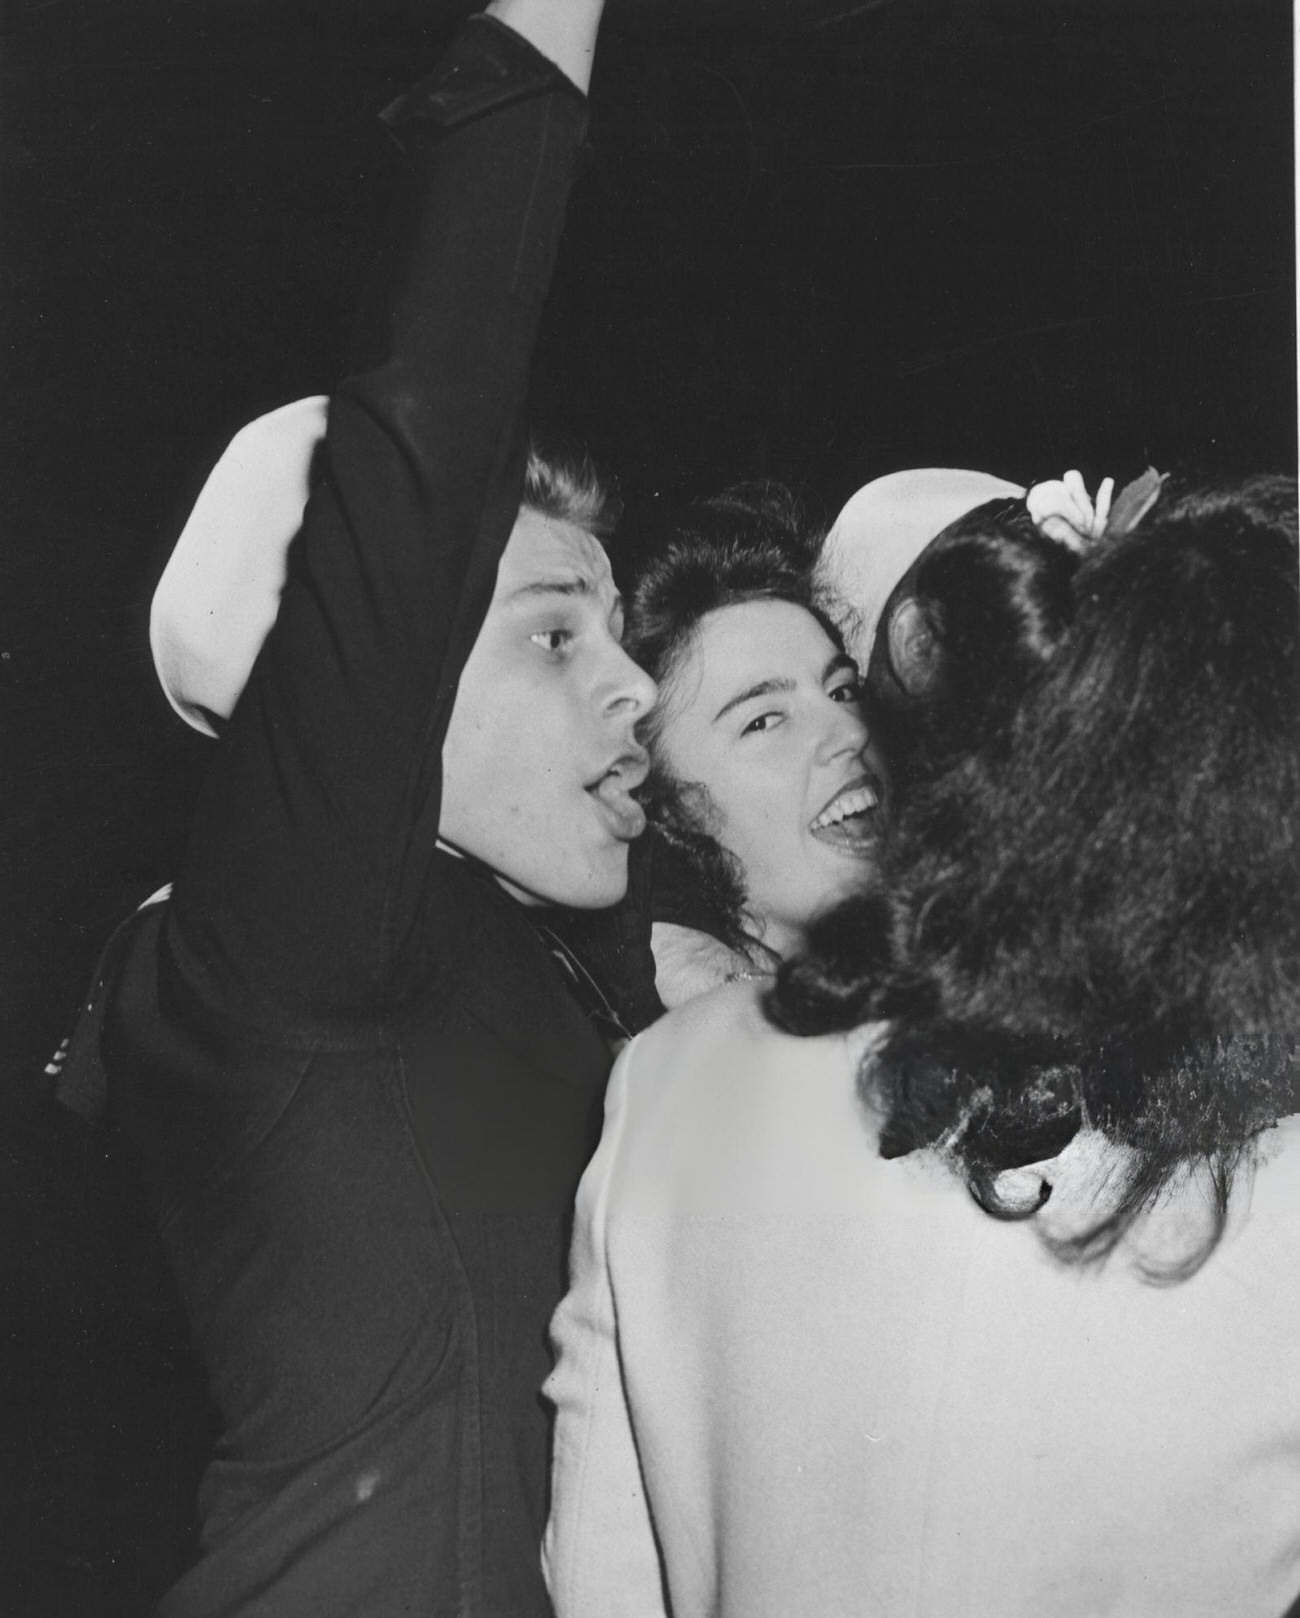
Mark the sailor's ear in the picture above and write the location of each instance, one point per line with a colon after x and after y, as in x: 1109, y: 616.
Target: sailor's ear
x: 915, y: 648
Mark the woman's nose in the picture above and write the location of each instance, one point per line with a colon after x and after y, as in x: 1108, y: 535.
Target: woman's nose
x: 846, y: 730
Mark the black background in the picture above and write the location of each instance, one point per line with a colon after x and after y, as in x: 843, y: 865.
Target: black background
x: 818, y: 241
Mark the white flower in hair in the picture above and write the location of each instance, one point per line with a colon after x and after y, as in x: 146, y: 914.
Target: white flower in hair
x: 1063, y: 510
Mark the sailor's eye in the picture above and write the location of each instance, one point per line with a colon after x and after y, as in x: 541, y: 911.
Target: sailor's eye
x: 552, y: 640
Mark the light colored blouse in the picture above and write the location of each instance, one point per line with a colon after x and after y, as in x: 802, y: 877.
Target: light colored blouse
x: 796, y: 1379
x: 689, y: 962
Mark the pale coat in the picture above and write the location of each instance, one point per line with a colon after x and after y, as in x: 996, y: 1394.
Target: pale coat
x: 795, y: 1378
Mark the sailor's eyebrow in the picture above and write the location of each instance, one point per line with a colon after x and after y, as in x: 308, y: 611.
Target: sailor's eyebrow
x: 574, y: 585
x: 567, y: 586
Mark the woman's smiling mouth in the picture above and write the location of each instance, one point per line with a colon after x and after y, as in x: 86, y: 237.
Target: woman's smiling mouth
x: 848, y: 822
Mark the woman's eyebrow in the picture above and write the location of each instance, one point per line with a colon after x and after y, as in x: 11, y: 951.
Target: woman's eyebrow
x: 841, y: 661
x: 764, y: 688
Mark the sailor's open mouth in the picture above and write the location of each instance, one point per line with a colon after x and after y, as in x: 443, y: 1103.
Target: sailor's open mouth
x: 613, y: 792
x: 848, y: 822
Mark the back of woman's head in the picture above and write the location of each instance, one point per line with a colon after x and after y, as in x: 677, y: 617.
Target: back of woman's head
x: 1158, y: 767
x: 981, y: 609
x: 1102, y: 919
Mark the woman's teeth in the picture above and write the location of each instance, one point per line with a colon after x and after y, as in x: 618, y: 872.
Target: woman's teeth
x: 856, y: 801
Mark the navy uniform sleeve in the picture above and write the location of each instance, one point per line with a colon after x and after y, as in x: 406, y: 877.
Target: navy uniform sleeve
x: 310, y: 883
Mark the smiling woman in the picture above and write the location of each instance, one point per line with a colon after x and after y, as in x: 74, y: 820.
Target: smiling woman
x: 764, y: 788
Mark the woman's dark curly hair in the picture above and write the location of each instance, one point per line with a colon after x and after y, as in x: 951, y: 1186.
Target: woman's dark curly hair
x: 992, y: 596
x: 751, y: 543
x: 1098, y: 919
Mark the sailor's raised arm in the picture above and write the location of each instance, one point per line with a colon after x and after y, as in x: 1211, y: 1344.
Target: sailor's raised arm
x: 360, y: 1083
x: 304, y: 877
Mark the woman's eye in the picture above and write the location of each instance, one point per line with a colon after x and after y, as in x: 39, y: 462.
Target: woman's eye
x: 764, y: 721
x: 552, y: 640
x: 850, y: 691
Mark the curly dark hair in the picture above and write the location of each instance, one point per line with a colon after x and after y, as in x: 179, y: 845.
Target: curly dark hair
x: 1097, y: 919
x: 992, y: 596
x: 752, y: 543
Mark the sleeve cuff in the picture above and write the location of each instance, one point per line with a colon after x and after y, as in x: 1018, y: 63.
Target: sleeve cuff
x: 487, y: 66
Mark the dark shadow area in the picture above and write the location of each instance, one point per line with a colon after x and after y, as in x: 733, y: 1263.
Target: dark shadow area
x: 105, y: 1419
